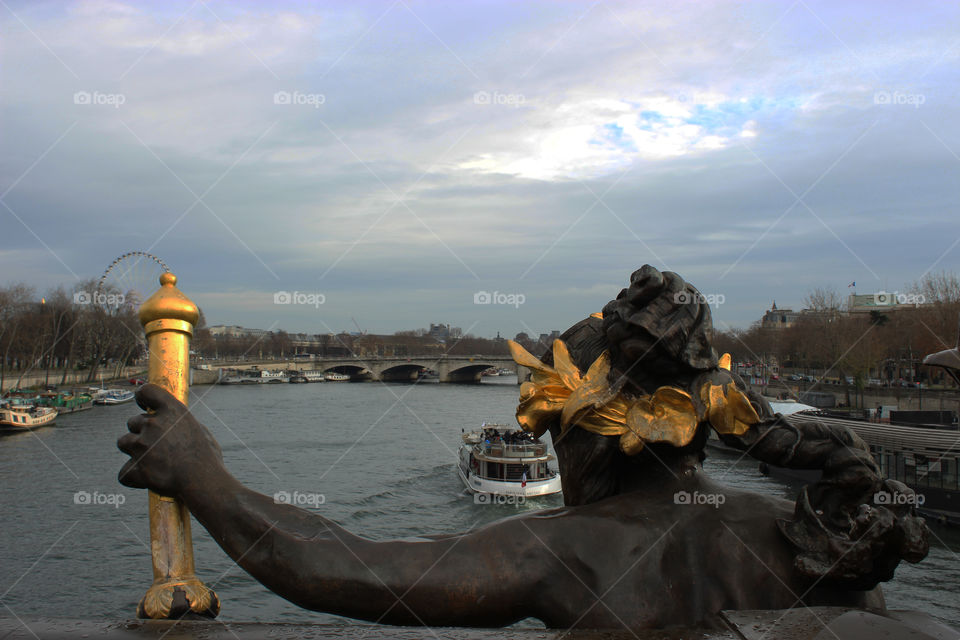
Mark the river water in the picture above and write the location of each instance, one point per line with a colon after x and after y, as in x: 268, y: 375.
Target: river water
x: 382, y: 456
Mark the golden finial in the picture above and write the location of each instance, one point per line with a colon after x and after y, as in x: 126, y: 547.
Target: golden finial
x: 168, y: 304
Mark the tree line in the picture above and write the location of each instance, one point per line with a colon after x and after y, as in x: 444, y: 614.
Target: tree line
x: 827, y: 339
x: 85, y: 328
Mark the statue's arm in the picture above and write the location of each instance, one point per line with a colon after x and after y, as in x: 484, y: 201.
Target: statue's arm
x: 801, y: 444
x: 841, y: 532
x: 851, y: 477
x: 484, y: 577
x: 804, y: 444
x: 480, y: 578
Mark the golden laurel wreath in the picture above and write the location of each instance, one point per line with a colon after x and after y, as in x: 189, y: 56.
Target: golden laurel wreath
x: 588, y: 401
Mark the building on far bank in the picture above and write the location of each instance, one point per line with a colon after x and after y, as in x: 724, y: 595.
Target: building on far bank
x: 879, y: 302
x: 776, y: 318
x: 545, y: 341
x: 442, y: 332
x: 883, y: 302
x: 234, y: 331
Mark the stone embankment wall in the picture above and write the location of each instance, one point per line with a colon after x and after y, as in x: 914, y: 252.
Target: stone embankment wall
x: 905, y: 398
x: 75, y: 378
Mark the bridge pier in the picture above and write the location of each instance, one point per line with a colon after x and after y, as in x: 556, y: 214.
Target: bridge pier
x: 523, y: 374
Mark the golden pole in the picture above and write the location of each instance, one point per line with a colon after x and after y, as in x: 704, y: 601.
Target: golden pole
x: 168, y: 318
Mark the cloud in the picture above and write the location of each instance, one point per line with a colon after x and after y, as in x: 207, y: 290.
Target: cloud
x: 478, y: 147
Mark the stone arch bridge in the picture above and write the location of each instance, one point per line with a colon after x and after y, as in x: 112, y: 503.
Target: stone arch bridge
x: 448, y: 368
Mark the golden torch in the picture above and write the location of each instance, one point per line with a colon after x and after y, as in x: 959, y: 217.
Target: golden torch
x: 168, y: 318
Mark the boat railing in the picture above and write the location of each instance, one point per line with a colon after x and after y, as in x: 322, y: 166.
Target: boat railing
x: 504, y: 450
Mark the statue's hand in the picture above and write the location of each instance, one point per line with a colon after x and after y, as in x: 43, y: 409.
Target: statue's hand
x: 167, y: 447
x: 847, y: 528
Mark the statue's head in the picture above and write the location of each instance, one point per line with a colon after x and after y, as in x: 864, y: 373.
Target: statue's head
x: 657, y: 329
x: 649, y: 355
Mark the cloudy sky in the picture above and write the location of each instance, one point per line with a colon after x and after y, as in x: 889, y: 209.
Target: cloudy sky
x: 395, y: 159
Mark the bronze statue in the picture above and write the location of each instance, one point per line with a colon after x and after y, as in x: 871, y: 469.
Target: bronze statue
x: 629, y: 399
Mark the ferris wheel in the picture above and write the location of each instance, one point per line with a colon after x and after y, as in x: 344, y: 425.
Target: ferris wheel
x: 129, y: 280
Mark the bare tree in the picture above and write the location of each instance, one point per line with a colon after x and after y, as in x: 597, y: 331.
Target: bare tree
x: 942, y: 287
x: 14, y: 301
x: 823, y: 300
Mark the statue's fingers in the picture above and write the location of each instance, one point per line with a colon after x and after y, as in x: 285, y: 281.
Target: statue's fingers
x: 138, y: 422
x: 128, y: 443
x: 152, y: 397
x: 129, y: 475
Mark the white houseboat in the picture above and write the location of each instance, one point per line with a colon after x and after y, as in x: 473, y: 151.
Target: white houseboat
x: 25, y: 417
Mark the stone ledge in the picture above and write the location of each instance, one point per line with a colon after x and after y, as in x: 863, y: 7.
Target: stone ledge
x: 55, y: 629
x: 814, y: 623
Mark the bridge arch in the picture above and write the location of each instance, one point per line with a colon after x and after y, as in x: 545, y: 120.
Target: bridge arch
x: 402, y: 372
x: 355, y: 371
x: 467, y: 372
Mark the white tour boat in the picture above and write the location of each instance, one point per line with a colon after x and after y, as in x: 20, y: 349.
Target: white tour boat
x: 333, y: 376
x: 503, y: 460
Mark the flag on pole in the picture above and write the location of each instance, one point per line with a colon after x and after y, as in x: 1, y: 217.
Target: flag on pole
x: 852, y: 284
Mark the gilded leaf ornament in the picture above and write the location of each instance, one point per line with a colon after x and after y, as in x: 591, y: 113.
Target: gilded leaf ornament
x: 669, y: 415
